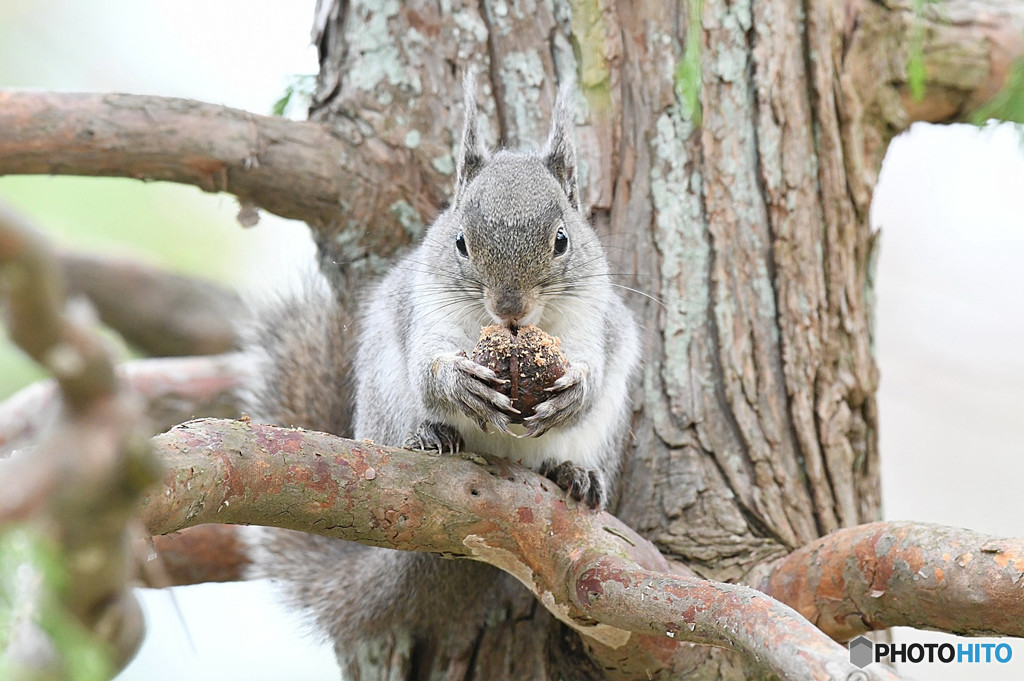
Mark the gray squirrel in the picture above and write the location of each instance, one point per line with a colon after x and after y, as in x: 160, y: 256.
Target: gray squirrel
x: 513, y: 248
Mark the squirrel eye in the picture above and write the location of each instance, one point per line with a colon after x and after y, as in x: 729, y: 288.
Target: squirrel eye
x: 460, y: 244
x: 561, y: 241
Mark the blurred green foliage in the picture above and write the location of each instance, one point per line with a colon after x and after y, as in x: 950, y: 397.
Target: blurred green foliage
x: 218, y: 52
x: 1008, y: 103
x: 31, y: 577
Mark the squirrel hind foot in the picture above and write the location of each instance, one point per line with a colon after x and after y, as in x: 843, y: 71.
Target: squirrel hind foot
x: 579, y: 483
x: 430, y: 436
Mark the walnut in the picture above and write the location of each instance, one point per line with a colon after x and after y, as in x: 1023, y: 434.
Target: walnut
x: 530, y: 359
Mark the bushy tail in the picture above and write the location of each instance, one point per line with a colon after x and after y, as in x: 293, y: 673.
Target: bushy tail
x: 300, y: 348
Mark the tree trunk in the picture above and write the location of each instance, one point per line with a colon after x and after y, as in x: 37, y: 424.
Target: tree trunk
x: 755, y: 429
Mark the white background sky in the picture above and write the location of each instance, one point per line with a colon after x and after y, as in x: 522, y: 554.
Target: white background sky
x: 950, y: 289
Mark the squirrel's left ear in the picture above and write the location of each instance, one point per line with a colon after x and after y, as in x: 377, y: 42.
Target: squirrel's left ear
x: 560, y: 152
x: 472, y: 154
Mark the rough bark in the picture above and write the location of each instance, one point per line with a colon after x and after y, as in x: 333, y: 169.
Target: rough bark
x: 588, y: 569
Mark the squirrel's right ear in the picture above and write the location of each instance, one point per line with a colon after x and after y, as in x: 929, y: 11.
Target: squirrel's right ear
x: 472, y: 154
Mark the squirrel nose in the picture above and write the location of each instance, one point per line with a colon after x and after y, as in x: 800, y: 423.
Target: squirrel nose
x: 509, y: 306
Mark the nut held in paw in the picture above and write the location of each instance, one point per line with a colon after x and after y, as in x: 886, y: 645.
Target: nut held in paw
x: 529, y: 359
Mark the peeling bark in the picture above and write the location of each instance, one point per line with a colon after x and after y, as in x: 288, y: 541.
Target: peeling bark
x: 883, y: 575
x: 588, y: 569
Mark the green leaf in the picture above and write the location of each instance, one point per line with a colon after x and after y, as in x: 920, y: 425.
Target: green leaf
x: 281, y: 104
x: 299, y: 87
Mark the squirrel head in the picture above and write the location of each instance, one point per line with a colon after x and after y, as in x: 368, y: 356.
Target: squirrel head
x: 516, y: 233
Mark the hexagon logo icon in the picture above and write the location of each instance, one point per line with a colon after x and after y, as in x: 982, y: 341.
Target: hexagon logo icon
x: 862, y: 652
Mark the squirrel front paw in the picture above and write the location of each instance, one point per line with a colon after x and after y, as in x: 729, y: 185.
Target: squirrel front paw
x: 470, y: 388
x: 579, y: 483
x: 563, y: 407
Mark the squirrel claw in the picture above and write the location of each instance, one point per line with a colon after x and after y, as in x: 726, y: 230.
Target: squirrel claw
x: 534, y: 429
x: 579, y: 483
x: 500, y: 425
x: 503, y: 427
x: 571, y: 378
x: 430, y: 435
x: 564, y: 405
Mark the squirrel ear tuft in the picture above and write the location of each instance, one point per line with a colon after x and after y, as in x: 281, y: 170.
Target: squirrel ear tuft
x: 560, y: 152
x: 472, y: 154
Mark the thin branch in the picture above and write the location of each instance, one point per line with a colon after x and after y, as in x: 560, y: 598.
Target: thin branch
x: 621, y: 594
x: 487, y: 509
x: 179, y: 388
x: 34, y: 308
x: 77, y: 492
x: 172, y: 390
x: 891, y: 574
x: 159, y: 312
x: 78, y: 488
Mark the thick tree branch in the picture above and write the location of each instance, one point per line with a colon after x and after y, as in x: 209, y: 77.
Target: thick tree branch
x: 172, y: 390
x: 294, y: 169
x: 78, y: 488
x: 885, y: 574
x: 615, y: 588
x: 962, y: 50
x: 159, y: 312
x: 205, y: 553
x: 967, y: 50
